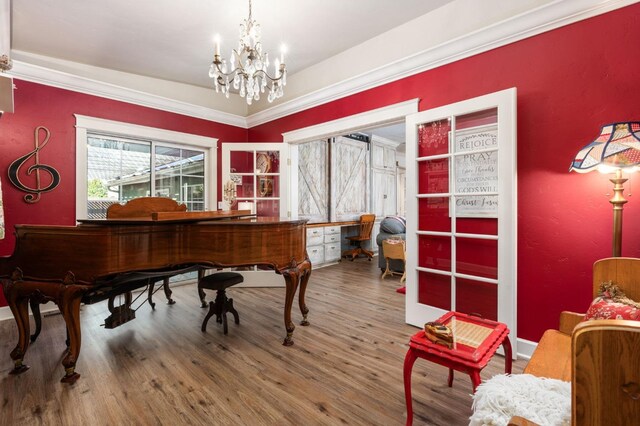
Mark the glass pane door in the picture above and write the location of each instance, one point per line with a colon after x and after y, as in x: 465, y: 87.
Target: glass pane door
x: 257, y: 172
x: 461, y: 211
x: 260, y: 174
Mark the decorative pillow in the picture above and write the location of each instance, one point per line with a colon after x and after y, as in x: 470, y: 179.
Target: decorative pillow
x: 612, y: 303
x: 394, y: 225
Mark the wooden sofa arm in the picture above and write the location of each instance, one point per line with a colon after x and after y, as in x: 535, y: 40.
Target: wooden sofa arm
x: 568, y: 321
x: 552, y: 357
x: 520, y: 421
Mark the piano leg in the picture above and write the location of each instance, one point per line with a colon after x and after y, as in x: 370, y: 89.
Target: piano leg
x: 35, y: 310
x: 19, y: 304
x: 69, y: 305
x: 306, y: 274
x: 291, y: 279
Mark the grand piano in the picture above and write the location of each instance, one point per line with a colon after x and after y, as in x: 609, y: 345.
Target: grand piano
x: 98, y: 259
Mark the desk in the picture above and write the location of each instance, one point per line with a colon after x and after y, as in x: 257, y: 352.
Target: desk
x: 476, y: 340
x: 325, y: 241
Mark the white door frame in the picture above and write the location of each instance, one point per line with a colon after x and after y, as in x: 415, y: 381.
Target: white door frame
x: 259, y: 278
x: 376, y: 117
x: 505, y: 101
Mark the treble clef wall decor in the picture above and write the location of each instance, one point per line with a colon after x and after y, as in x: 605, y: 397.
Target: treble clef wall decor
x: 33, y: 195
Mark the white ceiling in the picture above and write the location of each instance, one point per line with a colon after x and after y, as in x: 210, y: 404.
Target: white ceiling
x: 173, y: 40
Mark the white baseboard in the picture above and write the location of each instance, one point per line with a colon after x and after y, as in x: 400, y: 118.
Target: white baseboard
x: 526, y: 348
x: 5, y: 311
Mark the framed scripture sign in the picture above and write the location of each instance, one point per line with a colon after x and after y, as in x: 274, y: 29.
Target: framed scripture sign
x: 476, y: 172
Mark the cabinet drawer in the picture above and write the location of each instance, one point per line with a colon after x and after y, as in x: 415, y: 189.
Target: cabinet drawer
x: 331, y: 252
x: 315, y: 240
x: 332, y: 238
x: 314, y: 232
x: 331, y: 230
x: 316, y: 254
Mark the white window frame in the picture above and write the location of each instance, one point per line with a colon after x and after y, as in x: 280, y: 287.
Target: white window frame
x: 86, y: 125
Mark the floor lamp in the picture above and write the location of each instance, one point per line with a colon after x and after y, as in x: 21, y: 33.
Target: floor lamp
x: 616, y: 150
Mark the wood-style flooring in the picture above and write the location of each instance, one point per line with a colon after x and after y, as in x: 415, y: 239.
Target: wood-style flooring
x: 345, y: 369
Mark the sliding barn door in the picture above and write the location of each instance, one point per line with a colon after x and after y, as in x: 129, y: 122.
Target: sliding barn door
x: 349, y: 179
x: 461, y: 210
x: 313, y: 180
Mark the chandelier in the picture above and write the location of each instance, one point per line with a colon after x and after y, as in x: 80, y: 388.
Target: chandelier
x: 248, y: 67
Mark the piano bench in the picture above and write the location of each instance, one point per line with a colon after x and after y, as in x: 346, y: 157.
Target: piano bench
x: 219, y: 282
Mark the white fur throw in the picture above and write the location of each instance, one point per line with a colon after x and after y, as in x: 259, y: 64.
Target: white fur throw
x: 544, y: 401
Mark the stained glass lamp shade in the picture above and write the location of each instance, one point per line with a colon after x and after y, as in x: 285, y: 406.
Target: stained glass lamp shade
x: 617, y: 149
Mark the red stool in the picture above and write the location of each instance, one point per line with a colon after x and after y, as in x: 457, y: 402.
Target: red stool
x: 476, y: 340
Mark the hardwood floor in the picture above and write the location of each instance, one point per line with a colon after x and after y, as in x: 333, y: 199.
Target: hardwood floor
x: 346, y: 368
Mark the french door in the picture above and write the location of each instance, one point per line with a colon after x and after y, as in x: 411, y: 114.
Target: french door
x: 260, y: 172
x: 461, y: 210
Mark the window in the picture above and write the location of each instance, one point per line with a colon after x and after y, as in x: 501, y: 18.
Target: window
x: 117, y: 162
x: 119, y: 170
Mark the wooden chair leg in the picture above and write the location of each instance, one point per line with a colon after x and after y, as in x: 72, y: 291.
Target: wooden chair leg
x: 387, y: 271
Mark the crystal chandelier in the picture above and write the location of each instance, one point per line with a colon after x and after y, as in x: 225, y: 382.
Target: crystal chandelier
x: 247, y: 69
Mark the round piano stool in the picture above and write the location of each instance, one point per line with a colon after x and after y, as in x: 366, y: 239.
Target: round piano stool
x: 220, y: 282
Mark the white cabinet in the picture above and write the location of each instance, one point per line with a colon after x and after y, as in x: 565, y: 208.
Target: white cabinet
x: 324, y: 244
x: 332, y: 236
x: 383, y: 157
x: 383, y: 178
x: 383, y: 193
x: 315, y: 245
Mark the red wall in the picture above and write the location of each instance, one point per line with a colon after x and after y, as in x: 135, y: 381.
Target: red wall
x: 39, y: 105
x: 570, y: 81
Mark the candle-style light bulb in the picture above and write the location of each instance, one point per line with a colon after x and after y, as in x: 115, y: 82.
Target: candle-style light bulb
x: 216, y: 40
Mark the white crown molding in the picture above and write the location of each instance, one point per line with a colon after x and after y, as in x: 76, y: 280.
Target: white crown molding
x: 536, y: 21
x: 545, y: 18
x: 50, y: 77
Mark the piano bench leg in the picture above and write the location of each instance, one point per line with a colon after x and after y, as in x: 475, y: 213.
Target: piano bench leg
x: 211, y: 312
x: 220, y: 308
